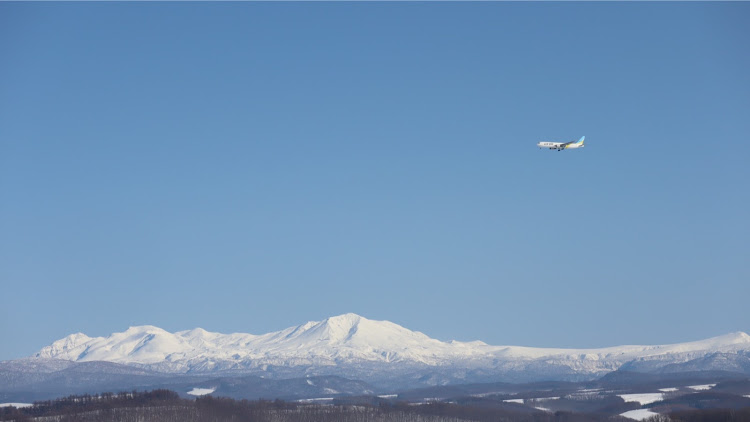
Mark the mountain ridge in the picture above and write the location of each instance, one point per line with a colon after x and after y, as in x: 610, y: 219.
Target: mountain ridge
x: 352, y: 346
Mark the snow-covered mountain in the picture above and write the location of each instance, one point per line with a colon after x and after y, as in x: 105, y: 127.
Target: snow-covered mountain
x: 355, y: 347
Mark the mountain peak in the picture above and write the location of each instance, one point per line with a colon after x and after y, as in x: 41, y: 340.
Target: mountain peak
x: 348, y: 318
x: 334, y: 329
x: 732, y: 340
x: 737, y: 337
x: 65, y: 347
x: 195, y: 332
x: 345, y: 323
x: 150, y: 329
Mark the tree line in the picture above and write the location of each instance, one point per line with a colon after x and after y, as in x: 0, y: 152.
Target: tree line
x: 168, y: 406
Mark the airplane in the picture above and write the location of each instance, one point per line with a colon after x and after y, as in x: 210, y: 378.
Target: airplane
x: 562, y: 145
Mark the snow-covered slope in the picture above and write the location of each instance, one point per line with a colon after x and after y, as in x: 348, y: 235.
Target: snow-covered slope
x: 336, y: 339
x: 353, y: 346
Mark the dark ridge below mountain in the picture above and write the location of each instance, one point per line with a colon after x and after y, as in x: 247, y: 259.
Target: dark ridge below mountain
x: 617, y: 378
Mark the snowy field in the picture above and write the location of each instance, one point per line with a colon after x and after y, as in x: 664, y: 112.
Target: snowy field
x: 644, y: 398
x: 639, y: 414
x: 201, y: 391
x: 319, y: 399
x: 702, y: 387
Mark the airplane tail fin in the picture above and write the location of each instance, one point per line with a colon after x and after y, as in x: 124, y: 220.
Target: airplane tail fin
x: 580, y: 141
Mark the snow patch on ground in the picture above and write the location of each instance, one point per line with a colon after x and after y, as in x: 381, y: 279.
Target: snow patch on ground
x: 644, y: 398
x: 388, y: 396
x: 492, y: 393
x: 668, y: 390
x: 543, y: 409
x: 702, y: 387
x: 520, y: 401
x: 315, y: 400
x: 589, y: 392
x: 201, y: 391
x: 639, y: 414
x: 18, y: 405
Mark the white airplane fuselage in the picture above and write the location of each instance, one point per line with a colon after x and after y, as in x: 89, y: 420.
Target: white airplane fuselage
x: 561, y: 145
x: 550, y: 145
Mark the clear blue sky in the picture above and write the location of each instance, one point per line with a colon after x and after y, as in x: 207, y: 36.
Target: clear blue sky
x: 245, y: 167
